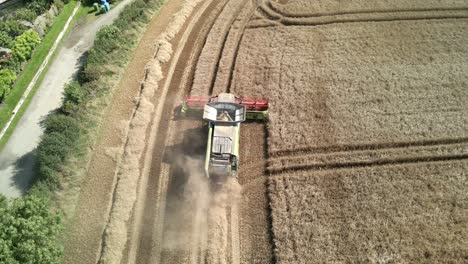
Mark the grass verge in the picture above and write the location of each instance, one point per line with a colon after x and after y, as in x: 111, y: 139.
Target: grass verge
x: 32, y: 67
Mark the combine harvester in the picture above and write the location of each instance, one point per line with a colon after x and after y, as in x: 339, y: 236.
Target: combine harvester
x: 224, y: 114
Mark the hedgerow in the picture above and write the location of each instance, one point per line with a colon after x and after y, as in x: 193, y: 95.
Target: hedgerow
x: 68, y: 132
x: 28, y: 228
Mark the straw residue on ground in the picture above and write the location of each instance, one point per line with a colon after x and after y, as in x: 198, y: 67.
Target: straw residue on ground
x: 128, y: 176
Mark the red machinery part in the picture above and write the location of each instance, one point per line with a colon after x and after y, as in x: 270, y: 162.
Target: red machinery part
x: 196, y: 101
x: 255, y: 104
x: 251, y: 104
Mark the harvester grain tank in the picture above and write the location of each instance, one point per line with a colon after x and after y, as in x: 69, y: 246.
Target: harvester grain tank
x: 224, y: 114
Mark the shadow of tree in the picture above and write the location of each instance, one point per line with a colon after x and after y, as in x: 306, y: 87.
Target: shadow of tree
x: 25, y: 171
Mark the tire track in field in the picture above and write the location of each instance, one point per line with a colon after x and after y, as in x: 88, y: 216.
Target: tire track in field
x: 201, y: 38
x: 231, y: 210
x: 206, y: 66
x: 283, y: 13
x: 198, y: 243
x: 153, y: 195
x: 370, y: 146
x: 267, y: 24
x: 250, y: 230
x: 374, y: 163
x: 221, y: 52
x: 368, y: 155
x: 201, y: 246
x: 227, y: 58
x: 220, y: 84
x: 273, y: 18
x: 191, y: 54
x: 229, y: 239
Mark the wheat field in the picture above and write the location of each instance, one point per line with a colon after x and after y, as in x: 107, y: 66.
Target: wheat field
x: 367, y: 139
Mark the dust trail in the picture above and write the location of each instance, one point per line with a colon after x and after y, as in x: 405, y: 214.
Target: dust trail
x: 235, y: 239
x: 186, y: 211
x: 198, y: 188
x: 199, y: 217
x: 220, y: 231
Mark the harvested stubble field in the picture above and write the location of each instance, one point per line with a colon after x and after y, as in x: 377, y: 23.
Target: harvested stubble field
x: 364, y: 158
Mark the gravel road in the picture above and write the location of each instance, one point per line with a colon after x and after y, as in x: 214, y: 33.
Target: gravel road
x: 18, y: 157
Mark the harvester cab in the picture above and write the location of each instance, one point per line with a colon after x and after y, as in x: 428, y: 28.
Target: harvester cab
x: 224, y: 113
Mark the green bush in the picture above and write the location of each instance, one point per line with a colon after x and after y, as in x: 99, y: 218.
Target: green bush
x: 7, y: 78
x: 12, y: 27
x: 107, y: 40
x: 50, y: 155
x: 64, y: 125
x: 105, y: 34
x: 28, y: 231
x: 135, y: 13
x: 24, y: 45
x: 25, y: 14
x: 5, y: 40
x: 74, y: 95
x: 38, y: 6
x: 93, y: 70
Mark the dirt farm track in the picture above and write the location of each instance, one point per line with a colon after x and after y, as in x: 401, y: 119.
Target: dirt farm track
x: 364, y: 157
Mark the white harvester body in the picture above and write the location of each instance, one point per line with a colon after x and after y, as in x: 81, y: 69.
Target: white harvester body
x: 224, y: 118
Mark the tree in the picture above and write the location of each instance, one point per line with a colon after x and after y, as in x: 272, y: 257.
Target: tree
x: 24, y: 45
x: 28, y: 231
x: 7, y: 77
